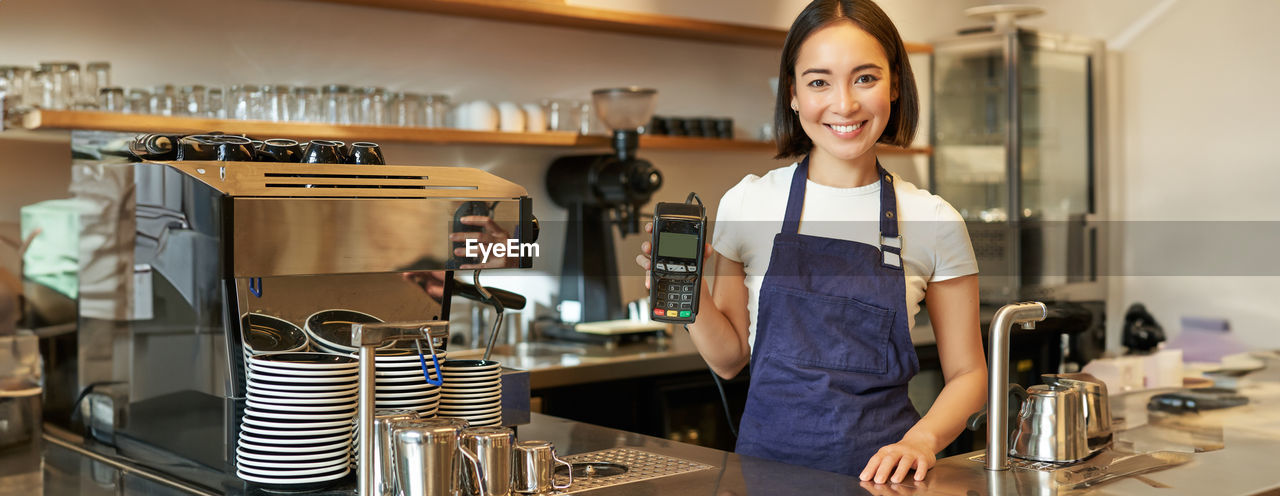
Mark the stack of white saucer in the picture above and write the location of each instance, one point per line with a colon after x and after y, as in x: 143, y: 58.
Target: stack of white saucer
x: 298, y: 420
x: 472, y: 391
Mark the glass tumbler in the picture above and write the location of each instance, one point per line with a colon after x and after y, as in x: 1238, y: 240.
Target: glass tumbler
x: 562, y: 115
x: 137, y: 101
x: 61, y: 84
x: 162, y: 99
x: 337, y: 104
x: 215, y: 103
x: 193, y: 101
x: 305, y: 105
x: 276, y: 102
x: 244, y: 102
x: 372, y: 108
x: 403, y: 109
x: 18, y: 81
x: 111, y: 99
x: 436, y: 111
x: 97, y: 75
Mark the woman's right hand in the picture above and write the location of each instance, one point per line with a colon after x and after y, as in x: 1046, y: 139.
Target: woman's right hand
x: 643, y: 259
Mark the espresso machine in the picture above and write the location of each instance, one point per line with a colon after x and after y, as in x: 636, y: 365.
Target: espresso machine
x: 175, y: 254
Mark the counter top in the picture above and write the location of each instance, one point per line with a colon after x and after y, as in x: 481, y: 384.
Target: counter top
x: 562, y: 363
x: 1231, y: 451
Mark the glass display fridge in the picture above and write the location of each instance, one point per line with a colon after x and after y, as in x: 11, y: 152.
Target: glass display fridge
x: 1018, y: 151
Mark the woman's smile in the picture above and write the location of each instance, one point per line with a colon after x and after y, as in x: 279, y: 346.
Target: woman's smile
x: 846, y: 131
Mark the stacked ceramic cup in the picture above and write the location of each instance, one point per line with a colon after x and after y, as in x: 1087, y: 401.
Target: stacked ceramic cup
x: 298, y: 419
x: 472, y: 391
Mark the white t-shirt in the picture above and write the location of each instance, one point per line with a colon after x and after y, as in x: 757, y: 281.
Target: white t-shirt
x: 935, y: 242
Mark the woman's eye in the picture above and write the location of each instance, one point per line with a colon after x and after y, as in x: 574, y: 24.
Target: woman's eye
x: 817, y: 83
x: 866, y: 78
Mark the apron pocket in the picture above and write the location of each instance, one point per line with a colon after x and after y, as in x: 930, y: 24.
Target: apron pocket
x: 826, y: 331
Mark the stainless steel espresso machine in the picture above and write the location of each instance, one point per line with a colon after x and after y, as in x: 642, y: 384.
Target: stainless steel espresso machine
x: 179, y: 252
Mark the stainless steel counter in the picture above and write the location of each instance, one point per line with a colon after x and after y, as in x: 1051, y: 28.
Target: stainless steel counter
x: 1232, y: 452
x: 559, y: 363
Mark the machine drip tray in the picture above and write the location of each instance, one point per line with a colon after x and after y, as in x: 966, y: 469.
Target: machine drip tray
x: 617, y: 466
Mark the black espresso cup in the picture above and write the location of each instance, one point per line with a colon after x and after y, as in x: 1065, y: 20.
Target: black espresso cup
x: 325, y: 152
x: 280, y: 150
x: 365, y: 153
x: 219, y: 147
x: 155, y: 146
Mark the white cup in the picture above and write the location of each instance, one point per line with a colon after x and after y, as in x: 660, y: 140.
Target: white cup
x: 510, y: 118
x: 478, y: 115
x: 535, y: 118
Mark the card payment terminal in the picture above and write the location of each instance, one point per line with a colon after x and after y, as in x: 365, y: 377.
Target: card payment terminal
x: 677, y: 247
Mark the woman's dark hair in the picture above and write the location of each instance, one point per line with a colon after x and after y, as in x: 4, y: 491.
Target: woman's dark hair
x: 865, y: 14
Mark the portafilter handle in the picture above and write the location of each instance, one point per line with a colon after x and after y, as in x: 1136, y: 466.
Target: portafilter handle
x: 368, y: 337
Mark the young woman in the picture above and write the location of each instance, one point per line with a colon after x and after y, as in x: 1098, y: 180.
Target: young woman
x: 821, y: 266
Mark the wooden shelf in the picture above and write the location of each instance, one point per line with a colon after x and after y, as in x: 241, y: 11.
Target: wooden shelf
x: 111, y: 121
x: 552, y: 13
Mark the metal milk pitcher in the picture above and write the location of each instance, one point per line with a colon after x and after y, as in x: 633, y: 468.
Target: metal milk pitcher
x: 493, y: 447
x: 384, y: 458
x: 427, y: 457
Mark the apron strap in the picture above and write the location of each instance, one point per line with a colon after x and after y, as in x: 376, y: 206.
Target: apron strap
x: 795, y: 199
x: 890, y: 240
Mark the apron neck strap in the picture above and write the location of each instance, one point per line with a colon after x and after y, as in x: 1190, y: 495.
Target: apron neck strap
x: 890, y: 240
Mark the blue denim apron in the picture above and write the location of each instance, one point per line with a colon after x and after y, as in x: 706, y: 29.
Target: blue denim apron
x: 833, y: 353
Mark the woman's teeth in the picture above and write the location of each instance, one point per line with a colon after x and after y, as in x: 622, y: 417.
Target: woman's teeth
x: 846, y: 129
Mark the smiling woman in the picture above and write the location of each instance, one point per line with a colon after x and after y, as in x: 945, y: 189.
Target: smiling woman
x: 824, y: 317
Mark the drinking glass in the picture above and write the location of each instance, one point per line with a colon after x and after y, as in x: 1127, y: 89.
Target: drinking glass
x: 18, y: 80
x: 305, y: 105
x: 137, y: 101
x: 162, y: 100
x: 61, y: 84
x: 403, y: 109
x: 245, y: 102
x: 215, y: 103
x: 111, y: 99
x: 436, y: 111
x: 97, y: 75
x: 276, y: 102
x: 373, y: 106
x: 562, y: 115
x: 338, y: 108
x: 193, y: 101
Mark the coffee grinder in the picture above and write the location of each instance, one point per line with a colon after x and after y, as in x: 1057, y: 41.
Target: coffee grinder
x: 601, y: 191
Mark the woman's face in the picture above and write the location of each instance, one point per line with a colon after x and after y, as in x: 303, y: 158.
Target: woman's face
x: 843, y: 91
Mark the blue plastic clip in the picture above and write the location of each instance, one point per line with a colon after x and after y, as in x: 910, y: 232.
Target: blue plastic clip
x: 435, y: 361
x: 255, y: 286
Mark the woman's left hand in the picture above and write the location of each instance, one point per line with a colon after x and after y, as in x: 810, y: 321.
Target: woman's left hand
x: 892, y: 462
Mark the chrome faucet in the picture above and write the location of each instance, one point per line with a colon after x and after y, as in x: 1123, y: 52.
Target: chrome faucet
x: 1026, y: 315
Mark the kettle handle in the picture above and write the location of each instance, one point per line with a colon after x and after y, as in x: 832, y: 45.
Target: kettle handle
x: 1016, y: 396
x: 475, y: 463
